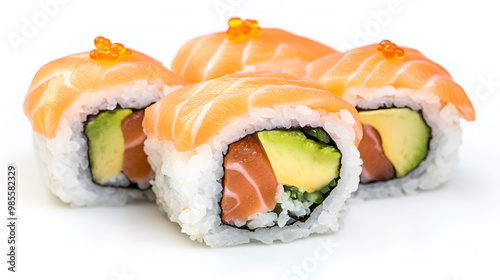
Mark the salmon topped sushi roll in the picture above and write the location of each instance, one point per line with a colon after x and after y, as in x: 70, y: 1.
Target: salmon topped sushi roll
x: 86, y: 111
x: 253, y: 156
x: 245, y: 47
x: 410, y: 109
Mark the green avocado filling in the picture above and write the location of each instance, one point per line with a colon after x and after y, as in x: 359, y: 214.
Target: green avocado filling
x: 305, y: 161
x: 404, y: 133
x: 308, y: 164
x: 106, y: 144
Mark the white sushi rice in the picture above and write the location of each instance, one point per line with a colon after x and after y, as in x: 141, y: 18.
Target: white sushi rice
x: 64, y: 159
x: 444, y: 121
x: 188, y: 185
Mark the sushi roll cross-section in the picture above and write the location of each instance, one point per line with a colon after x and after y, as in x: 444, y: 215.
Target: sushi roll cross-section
x: 410, y: 109
x: 279, y: 172
x: 86, y: 111
x: 256, y: 156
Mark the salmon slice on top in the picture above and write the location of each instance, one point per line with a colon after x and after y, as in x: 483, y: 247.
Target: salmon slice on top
x: 192, y: 115
x: 245, y: 47
x: 368, y: 67
x: 61, y: 82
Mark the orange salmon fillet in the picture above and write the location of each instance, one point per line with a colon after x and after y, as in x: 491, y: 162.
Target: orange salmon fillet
x: 250, y: 185
x: 214, y: 55
x: 59, y: 83
x: 367, y: 67
x: 190, y: 116
x: 135, y: 163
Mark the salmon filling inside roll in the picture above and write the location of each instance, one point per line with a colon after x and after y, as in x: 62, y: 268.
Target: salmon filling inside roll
x: 116, y: 149
x: 395, y: 141
x: 277, y: 177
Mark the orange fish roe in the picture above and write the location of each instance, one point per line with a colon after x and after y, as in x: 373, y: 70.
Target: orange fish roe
x: 107, y: 52
x: 239, y: 30
x: 390, y: 50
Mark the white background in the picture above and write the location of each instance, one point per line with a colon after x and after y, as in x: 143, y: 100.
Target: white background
x: 452, y: 233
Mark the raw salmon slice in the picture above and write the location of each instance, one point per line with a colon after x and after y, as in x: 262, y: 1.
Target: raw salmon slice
x: 215, y: 55
x: 366, y: 67
x: 250, y: 185
x: 192, y: 115
x: 376, y: 166
x: 135, y: 164
x: 60, y: 83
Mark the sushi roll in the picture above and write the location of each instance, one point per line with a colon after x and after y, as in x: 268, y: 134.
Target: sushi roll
x: 410, y: 109
x: 253, y: 156
x: 245, y: 47
x: 86, y: 112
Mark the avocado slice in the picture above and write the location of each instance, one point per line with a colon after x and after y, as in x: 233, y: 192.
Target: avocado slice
x: 404, y: 133
x: 299, y: 161
x: 106, y: 144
